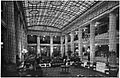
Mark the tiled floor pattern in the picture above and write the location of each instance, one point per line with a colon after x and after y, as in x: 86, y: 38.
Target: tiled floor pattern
x: 73, y: 72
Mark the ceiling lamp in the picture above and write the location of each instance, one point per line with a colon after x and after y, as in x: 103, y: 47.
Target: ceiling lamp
x: 56, y: 3
x: 34, y: 12
x: 34, y: 2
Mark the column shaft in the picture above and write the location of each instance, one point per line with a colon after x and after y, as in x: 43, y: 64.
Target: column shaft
x: 51, y: 45
x: 10, y: 43
x: 80, y: 43
x: 38, y: 45
x: 112, y: 32
x: 72, y: 42
x: 92, y: 41
x: 62, y: 46
x: 66, y: 44
x: 112, y: 38
x: 18, y: 39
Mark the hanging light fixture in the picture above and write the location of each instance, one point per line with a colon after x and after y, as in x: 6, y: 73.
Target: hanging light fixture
x: 34, y: 2
x: 33, y: 11
x: 56, y: 3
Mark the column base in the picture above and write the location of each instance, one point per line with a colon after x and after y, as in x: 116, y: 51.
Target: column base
x: 112, y: 59
x: 10, y: 71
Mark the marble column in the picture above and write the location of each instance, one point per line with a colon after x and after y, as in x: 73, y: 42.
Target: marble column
x: 62, y: 50
x: 80, y: 43
x: 66, y: 44
x: 92, y: 41
x: 38, y: 45
x: 10, y: 41
x: 51, y: 45
x: 112, y: 38
x: 72, y: 41
x: 18, y: 37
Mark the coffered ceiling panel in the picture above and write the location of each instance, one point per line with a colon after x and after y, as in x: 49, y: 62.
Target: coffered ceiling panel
x: 54, y: 13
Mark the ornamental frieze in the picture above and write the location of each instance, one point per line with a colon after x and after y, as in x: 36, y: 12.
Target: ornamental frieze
x: 40, y: 33
x: 44, y: 28
x: 94, y: 12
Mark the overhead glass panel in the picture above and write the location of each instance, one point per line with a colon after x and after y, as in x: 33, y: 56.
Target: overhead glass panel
x: 54, y: 13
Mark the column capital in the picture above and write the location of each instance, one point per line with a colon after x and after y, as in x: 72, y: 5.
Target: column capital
x: 92, y: 22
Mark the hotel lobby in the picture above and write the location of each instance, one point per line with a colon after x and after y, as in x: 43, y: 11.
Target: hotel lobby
x: 62, y: 38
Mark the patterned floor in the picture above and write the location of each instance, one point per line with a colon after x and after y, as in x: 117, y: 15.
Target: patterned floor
x: 73, y: 72
x: 57, y: 72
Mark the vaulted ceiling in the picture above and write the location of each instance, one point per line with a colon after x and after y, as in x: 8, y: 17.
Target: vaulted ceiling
x: 56, y: 14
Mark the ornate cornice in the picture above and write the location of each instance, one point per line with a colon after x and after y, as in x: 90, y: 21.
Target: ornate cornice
x: 44, y: 28
x: 89, y: 15
x: 41, y: 33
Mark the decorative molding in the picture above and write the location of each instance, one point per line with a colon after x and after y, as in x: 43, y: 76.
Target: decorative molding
x: 41, y: 33
x: 56, y: 3
x: 44, y: 28
x: 44, y: 45
x: 34, y: 2
x: 33, y: 11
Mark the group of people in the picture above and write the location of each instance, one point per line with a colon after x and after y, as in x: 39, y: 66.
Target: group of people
x: 29, y: 60
x: 34, y: 60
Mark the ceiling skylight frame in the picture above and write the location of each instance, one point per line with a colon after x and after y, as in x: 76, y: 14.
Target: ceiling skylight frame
x: 40, y: 9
